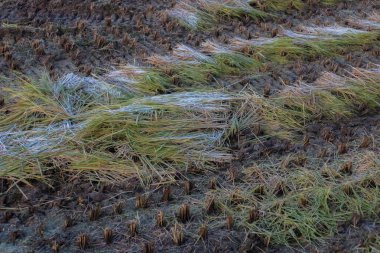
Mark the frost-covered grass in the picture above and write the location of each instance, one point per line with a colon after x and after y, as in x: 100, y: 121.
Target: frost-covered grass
x: 76, y: 121
x: 154, y: 123
x: 204, y: 14
x: 239, y: 57
x: 66, y: 124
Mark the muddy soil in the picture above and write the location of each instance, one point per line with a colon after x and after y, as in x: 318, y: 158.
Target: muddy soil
x: 92, y: 36
x: 65, y: 36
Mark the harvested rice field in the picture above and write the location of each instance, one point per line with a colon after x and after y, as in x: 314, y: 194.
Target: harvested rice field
x: 190, y: 126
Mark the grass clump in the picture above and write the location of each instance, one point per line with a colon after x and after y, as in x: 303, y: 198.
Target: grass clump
x: 195, y: 68
x: 191, y: 16
x: 310, y: 209
x: 44, y: 102
x: 102, y: 131
x: 204, y: 14
x: 195, y: 74
x: 330, y: 98
x: 346, y: 43
x: 20, y: 170
x: 33, y: 104
x: 278, y: 5
x: 333, y: 2
x: 186, y: 66
x: 138, y: 81
x: 284, y: 5
x: 227, y: 61
x: 285, y: 49
x: 161, y: 129
x: 230, y: 63
x: 184, y: 72
x: 111, y: 133
x: 281, y: 51
x: 313, y: 103
x: 29, y: 154
x: 233, y: 8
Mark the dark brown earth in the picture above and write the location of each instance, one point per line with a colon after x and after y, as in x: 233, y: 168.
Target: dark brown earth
x: 64, y: 36
x: 92, y: 36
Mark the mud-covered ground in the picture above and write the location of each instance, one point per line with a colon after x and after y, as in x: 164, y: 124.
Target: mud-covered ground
x: 90, y: 37
x: 93, y: 36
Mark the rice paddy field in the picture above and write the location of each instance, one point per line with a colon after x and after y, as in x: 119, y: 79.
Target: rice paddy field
x: 189, y: 126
